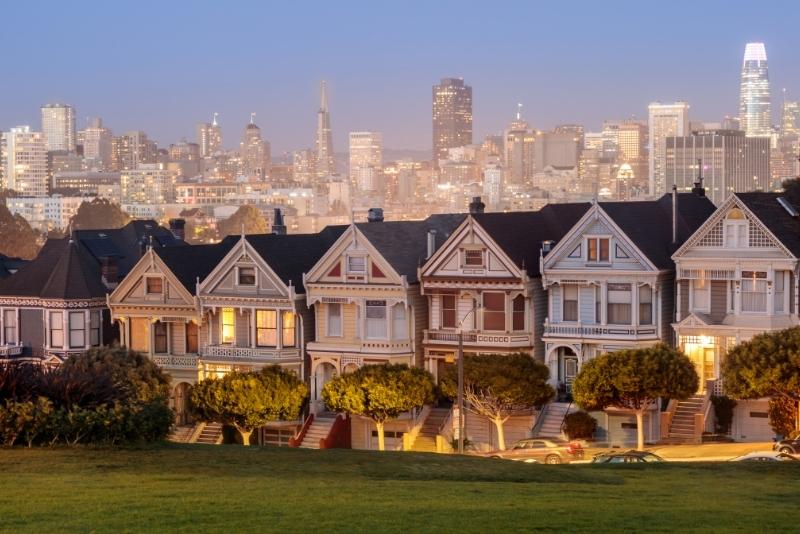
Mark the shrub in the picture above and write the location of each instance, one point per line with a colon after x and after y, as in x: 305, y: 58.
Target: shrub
x: 782, y: 415
x: 579, y: 425
x: 723, y: 411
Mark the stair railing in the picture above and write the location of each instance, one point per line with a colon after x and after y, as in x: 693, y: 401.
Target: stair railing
x: 537, y: 425
x: 564, y: 419
x: 444, y: 436
x: 297, y: 439
x: 417, y: 420
x: 198, y: 429
x: 666, y: 418
x: 339, y: 435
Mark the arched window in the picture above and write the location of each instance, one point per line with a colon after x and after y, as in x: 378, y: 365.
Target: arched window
x: 735, y: 229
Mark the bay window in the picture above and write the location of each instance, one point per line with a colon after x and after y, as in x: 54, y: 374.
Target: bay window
x: 160, y: 345
x: 57, y: 329
x: 754, y: 291
x: 448, y: 311
x: 77, y: 330
x: 266, y: 328
x: 518, y: 313
x: 288, y: 329
x: 228, y: 326
x: 570, y: 302
x: 376, y: 319
x: 10, y: 327
x: 645, y: 305
x: 494, y: 311
x: 399, y: 323
x: 701, y: 295
x: 334, y: 319
x: 619, y: 304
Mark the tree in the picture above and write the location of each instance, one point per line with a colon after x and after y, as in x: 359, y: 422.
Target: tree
x: 98, y: 214
x: 17, y: 238
x: 380, y: 392
x: 248, y: 400
x: 497, y: 385
x: 633, y: 379
x: 766, y: 366
x: 247, y: 218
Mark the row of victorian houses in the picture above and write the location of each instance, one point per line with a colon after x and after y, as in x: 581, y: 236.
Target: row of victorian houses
x: 563, y: 284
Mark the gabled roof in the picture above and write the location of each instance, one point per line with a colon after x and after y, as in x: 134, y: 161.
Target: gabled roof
x: 778, y: 221
x: 648, y: 224
x: 520, y: 234
x: 192, y: 262
x: 404, y: 244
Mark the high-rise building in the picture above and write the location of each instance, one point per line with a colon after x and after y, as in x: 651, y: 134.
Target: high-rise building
x: 304, y: 165
x: 23, y: 158
x: 790, y: 118
x: 132, y: 149
x: 665, y: 120
x: 452, y: 117
x: 366, y: 151
x: 254, y: 151
x: 754, y: 96
x: 209, y: 137
x: 632, y: 150
x: 519, y: 141
x: 326, y: 165
x: 147, y: 184
x: 97, y: 143
x: 58, y: 126
x: 731, y: 162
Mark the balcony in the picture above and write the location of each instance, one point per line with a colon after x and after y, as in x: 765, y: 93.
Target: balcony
x: 176, y: 361
x: 480, y: 339
x: 9, y: 351
x: 231, y: 354
x: 596, y: 331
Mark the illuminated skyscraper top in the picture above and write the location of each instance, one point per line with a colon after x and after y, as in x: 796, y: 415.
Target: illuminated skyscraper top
x: 754, y: 97
x: 452, y: 117
x: 324, y: 143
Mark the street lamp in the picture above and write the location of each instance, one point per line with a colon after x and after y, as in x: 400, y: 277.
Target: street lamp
x: 460, y: 398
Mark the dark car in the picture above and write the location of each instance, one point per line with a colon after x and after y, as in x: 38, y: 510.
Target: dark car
x: 628, y: 457
x: 548, y: 451
x: 790, y: 445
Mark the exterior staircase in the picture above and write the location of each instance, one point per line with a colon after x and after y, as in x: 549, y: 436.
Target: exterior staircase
x: 211, y: 434
x: 426, y: 439
x: 181, y: 433
x: 320, y: 428
x: 681, y: 429
x: 552, y: 418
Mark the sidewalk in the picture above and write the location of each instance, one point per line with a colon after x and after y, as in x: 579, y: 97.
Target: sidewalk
x: 705, y: 452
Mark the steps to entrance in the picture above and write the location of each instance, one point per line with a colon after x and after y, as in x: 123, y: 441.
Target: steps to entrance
x: 426, y: 439
x: 181, y: 433
x: 320, y: 428
x: 211, y: 434
x: 553, y: 415
x: 681, y: 429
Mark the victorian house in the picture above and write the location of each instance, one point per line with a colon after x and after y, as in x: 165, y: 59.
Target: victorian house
x: 737, y: 277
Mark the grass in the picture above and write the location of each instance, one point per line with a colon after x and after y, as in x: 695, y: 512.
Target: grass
x: 229, y: 488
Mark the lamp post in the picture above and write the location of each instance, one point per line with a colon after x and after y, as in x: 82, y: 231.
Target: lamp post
x: 460, y: 397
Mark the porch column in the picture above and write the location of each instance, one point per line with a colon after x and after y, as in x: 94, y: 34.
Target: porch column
x: 253, y: 328
x: 635, y: 304
x: 603, y: 299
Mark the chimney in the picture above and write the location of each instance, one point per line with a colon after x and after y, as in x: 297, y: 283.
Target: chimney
x: 431, y: 243
x: 698, y: 189
x: 109, y: 271
x: 674, y: 214
x: 375, y: 215
x: 278, y: 227
x: 547, y: 246
x: 476, y: 206
x: 177, y: 227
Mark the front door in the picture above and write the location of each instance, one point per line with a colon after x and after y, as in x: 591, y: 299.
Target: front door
x: 703, y: 359
x: 570, y: 371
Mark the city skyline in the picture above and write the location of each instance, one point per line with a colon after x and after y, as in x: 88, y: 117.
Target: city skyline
x: 558, y: 80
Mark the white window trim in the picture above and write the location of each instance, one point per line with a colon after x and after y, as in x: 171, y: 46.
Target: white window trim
x: 465, y: 265
x: 564, y: 303
x: 692, y: 306
x: 347, y: 263
x: 163, y: 285
x: 610, y: 248
x: 386, y: 321
x: 328, y: 332
x: 3, y: 340
x: 255, y: 276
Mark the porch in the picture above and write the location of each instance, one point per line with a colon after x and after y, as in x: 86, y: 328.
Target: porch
x: 601, y: 332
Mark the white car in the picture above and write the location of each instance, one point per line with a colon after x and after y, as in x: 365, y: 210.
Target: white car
x: 765, y: 456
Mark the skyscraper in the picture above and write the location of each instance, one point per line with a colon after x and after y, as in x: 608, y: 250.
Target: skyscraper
x: 23, y: 158
x: 754, y: 98
x: 452, y: 117
x: 97, y: 141
x: 209, y: 137
x: 132, y: 149
x: 665, y: 120
x: 518, y: 148
x: 324, y: 143
x: 254, y: 151
x: 365, y: 152
x: 58, y: 126
x: 790, y: 117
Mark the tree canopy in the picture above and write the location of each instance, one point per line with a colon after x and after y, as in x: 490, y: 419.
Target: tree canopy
x: 98, y: 214
x: 248, y: 217
x: 633, y: 379
x: 497, y: 385
x: 250, y: 399
x: 17, y: 238
x: 380, y: 392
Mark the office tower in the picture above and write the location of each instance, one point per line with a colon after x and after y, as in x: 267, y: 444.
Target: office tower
x: 23, y: 158
x: 632, y: 150
x: 790, y: 118
x: 97, y: 145
x: 147, y: 184
x: 610, y: 139
x: 366, y: 151
x: 559, y: 148
x: 664, y: 120
x: 58, y: 126
x: 754, y: 97
x: 304, y: 165
x: 132, y: 149
x: 493, y: 183
x: 731, y: 162
x: 519, y: 140
x: 209, y: 137
x: 452, y: 117
x: 254, y: 151
x: 326, y: 165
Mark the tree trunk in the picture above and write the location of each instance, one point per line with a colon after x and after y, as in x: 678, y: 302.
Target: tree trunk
x: 381, y: 440
x: 245, y: 436
x: 640, y: 430
x: 501, y: 437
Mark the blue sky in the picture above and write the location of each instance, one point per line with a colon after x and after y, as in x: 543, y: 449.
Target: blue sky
x: 163, y: 66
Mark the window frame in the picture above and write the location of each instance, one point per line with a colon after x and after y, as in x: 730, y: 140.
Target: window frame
x: 269, y: 328
x: 445, y: 311
x: 518, y: 314
x: 60, y: 324
x: 576, y: 316
x: 349, y: 266
x: 480, y: 256
x: 329, y: 319
x: 94, y: 330
x: 611, y: 317
x: 399, y: 324
x: 192, y: 331
x: 291, y: 327
x: 374, y: 306
x: 160, y: 337
x: 10, y: 312
x: 239, y: 269
x: 222, y: 327
x: 492, y: 314
x: 594, y: 248
x: 705, y: 292
x: 147, y: 287
x: 649, y: 305
x: 757, y: 278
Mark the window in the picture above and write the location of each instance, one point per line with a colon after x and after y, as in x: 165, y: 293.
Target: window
x: 494, y: 311
x: 334, y: 319
x: 780, y: 291
x: 598, y: 299
x: 597, y: 249
x: 57, y: 329
x: 645, y: 305
x: 154, y: 285
x: 754, y: 291
x: 619, y: 304
x: 140, y: 334
x: 246, y: 276
x: 10, y: 326
x: 735, y: 229
x: 376, y: 319
x: 570, y: 302
x: 399, y: 323
x: 448, y: 311
x: 473, y: 258
x: 701, y: 295
x: 160, y: 337
x: 228, y: 326
x: 518, y: 313
x: 266, y: 328
x: 356, y: 264
x: 288, y: 329
x: 191, y: 338
x: 94, y: 328
x: 77, y: 330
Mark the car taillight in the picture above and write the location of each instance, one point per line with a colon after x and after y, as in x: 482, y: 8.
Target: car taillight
x: 573, y: 447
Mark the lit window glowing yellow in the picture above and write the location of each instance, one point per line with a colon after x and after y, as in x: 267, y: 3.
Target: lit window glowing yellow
x: 228, y: 325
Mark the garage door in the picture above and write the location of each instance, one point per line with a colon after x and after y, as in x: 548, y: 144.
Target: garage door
x: 751, y: 421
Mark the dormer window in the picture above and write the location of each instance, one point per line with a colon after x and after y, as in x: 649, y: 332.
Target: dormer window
x: 473, y: 258
x: 356, y: 264
x: 735, y: 229
x: 597, y: 249
x: 154, y: 285
x: 246, y: 276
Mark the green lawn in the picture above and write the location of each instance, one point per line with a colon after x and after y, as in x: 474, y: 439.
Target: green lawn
x: 205, y: 488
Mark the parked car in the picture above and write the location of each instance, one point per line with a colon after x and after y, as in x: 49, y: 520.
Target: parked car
x: 535, y: 450
x: 790, y: 445
x: 627, y: 457
x: 765, y: 456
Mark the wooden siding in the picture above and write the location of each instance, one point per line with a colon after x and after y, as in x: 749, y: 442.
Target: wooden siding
x: 539, y: 298
x: 666, y: 296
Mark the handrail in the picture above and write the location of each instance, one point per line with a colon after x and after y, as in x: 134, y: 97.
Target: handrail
x: 564, y: 419
x: 417, y: 422
x: 297, y: 439
x: 539, y: 420
x: 339, y: 435
x: 444, y: 435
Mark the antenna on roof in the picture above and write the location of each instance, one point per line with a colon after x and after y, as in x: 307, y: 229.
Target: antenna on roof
x: 252, y: 117
x: 698, y: 185
x: 150, y: 245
